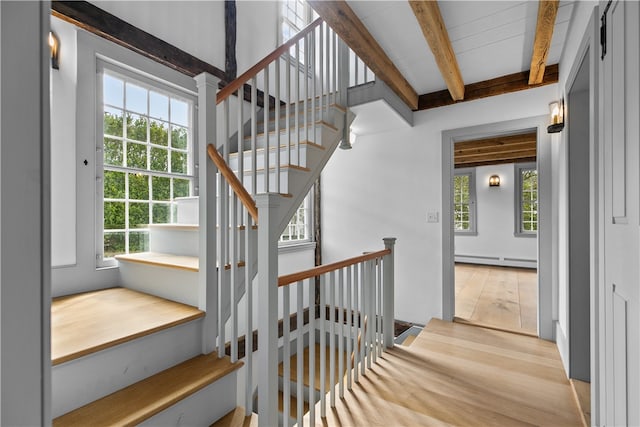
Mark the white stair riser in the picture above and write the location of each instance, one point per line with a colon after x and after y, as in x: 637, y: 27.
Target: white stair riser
x: 187, y: 208
x: 80, y: 381
x: 284, y: 157
x: 171, y: 283
x: 293, y: 389
x: 202, y: 408
x: 174, y: 241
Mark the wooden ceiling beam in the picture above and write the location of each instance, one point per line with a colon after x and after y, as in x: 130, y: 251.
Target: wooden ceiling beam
x: 496, y: 155
x: 497, y: 140
x: 428, y: 15
x: 496, y: 162
x: 486, y: 88
x: 341, y: 18
x: 547, y: 11
x: 512, y: 148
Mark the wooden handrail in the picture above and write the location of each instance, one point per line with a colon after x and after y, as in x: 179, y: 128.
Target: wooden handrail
x: 322, y: 269
x: 234, y: 182
x: 232, y: 87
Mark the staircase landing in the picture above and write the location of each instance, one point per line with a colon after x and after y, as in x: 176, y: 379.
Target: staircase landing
x: 455, y: 374
x: 85, y: 323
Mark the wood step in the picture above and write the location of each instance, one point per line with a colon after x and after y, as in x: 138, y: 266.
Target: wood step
x: 294, y: 367
x: 237, y: 418
x: 177, y: 227
x: 188, y: 263
x: 86, y: 323
x: 293, y: 405
x: 410, y: 339
x: 142, y: 400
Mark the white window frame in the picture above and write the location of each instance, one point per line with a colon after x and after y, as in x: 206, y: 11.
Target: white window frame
x: 307, y: 206
x: 519, y: 229
x: 145, y: 80
x: 471, y: 173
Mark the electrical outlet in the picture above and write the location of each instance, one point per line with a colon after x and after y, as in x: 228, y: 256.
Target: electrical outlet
x: 432, y: 216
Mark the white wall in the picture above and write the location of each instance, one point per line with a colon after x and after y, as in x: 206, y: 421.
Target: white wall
x: 197, y: 27
x: 386, y: 184
x: 495, y: 213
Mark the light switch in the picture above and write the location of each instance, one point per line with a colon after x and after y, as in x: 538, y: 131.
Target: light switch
x: 432, y: 216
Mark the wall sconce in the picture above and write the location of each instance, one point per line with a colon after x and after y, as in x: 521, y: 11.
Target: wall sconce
x: 494, y: 181
x: 54, y: 48
x: 556, y: 110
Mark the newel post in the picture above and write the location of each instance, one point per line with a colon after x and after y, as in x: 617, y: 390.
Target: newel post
x: 388, y: 292
x: 206, y: 190
x: 267, y: 308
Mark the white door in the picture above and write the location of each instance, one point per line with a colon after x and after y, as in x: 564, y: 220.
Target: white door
x: 620, y: 118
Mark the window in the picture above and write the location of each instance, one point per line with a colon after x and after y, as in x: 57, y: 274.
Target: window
x: 299, y: 228
x: 526, y: 199
x: 147, y: 146
x: 464, y: 198
x: 296, y: 14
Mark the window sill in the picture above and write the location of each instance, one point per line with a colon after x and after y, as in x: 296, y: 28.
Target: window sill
x: 284, y: 248
x: 525, y: 235
x: 465, y: 233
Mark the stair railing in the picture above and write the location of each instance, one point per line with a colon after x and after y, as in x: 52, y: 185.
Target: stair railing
x: 352, y: 293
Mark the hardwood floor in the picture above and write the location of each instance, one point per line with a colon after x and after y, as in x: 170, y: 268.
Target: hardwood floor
x: 456, y: 374
x: 499, y: 297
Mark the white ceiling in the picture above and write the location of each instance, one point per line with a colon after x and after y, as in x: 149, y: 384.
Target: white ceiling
x: 490, y: 38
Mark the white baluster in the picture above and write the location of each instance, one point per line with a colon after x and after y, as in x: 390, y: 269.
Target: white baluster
x: 248, y: 280
x: 379, y: 310
x: 300, y: 351
x: 350, y: 328
x: 277, y: 124
x: 323, y: 351
x: 312, y: 349
x: 340, y: 334
x: 254, y: 136
x: 364, y: 315
x: 358, y: 323
x: 266, y: 110
x: 321, y: 70
x: 297, y: 106
x: 332, y: 338
x: 286, y: 357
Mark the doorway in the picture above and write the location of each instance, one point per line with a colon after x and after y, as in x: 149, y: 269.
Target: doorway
x: 543, y: 289
x: 578, y: 224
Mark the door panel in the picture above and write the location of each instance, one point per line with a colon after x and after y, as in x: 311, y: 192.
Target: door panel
x: 620, y: 118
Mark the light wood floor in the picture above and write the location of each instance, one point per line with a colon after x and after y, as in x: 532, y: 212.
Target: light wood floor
x: 501, y: 297
x: 456, y: 374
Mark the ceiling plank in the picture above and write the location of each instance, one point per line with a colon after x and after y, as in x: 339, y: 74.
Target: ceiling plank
x: 497, y: 140
x: 547, y: 11
x: 523, y: 146
x: 496, y: 162
x: 435, y: 32
x: 486, y: 88
x: 513, y: 155
x: 341, y: 18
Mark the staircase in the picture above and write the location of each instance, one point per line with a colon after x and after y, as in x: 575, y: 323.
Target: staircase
x: 263, y: 141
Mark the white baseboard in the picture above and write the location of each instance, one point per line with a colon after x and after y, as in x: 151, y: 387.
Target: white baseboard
x: 499, y: 261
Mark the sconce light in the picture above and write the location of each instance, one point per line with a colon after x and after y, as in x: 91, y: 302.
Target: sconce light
x: 54, y: 47
x: 494, y: 181
x: 556, y: 109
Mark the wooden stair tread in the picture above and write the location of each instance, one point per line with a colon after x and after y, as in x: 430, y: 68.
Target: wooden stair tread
x: 182, y: 262
x: 86, y: 323
x: 182, y: 227
x: 410, y: 339
x: 140, y: 401
x: 305, y: 376
x: 236, y: 418
x: 293, y: 405
x: 158, y: 259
